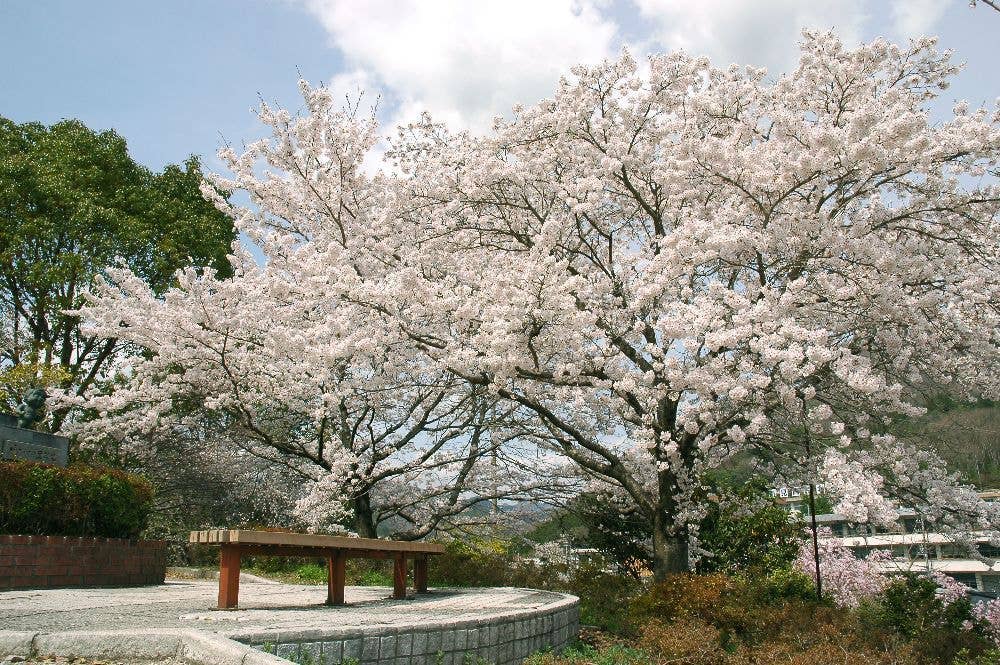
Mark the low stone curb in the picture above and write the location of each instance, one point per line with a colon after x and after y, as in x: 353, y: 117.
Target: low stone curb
x: 565, y: 603
x: 501, y: 639
x: 192, y: 646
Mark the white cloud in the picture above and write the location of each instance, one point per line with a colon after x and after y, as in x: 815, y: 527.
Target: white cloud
x: 465, y: 61
x: 763, y: 33
x: 915, y: 18
x: 354, y: 86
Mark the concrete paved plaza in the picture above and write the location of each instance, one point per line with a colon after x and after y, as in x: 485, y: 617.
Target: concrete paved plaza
x: 265, y: 608
x: 502, y: 625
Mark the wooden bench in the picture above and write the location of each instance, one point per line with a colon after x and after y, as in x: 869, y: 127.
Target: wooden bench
x: 335, y: 549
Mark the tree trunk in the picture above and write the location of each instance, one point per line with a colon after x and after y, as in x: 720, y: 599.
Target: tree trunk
x: 670, y: 551
x: 364, y: 517
x: 670, y: 541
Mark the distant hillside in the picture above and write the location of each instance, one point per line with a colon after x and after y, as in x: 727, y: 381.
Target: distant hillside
x: 969, y: 440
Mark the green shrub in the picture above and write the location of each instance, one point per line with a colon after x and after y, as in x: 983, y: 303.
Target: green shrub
x: 473, y: 562
x: 287, y: 565
x: 604, y: 596
x: 312, y: 570
x: 965, y: 657
x: 783, y: 584
x: 39, y: 499
x: 582, y: 654
x: 726, y: 619
x: 715, y: 599
x: 741, y: 611
x: 614, y: 528
x: 312, y: 573
x: 486, y: 562
x: 912, y: 606
x: 372, y: 577
x: 744, y: 531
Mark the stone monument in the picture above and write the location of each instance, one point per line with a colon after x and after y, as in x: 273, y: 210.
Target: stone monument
x: 19, y: 441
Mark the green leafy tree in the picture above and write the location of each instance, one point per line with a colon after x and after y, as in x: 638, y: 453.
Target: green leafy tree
x: 73, y: 202
x: 616, y: 530
x: 745, y: 531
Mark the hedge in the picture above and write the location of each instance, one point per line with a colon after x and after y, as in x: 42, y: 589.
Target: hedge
x: 40, y: 499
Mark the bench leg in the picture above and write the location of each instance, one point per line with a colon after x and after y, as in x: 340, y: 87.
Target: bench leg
x: 420, y: 574
x: 229, y: 576
x: 336, y: 576
x: 399, y: 577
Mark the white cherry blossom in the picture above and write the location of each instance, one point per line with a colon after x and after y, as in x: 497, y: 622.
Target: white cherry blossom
x: 655, y: 270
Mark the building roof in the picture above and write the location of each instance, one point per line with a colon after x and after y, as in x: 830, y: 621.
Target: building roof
x: 890, y: 539
x: 940, y: 565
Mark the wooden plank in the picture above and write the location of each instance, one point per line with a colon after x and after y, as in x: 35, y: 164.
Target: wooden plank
x: 229, y: 576
x: 399, y: 576
x: 315, y: 552
x: 219, y: 536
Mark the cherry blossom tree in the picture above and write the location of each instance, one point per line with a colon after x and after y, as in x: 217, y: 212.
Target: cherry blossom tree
x: 268, y: 362
x: 664, y: 266
x: 847, y: 579
x: 989, y: 614
x: 253, y: 363
x: 670, y: 264
x: 989, y: 3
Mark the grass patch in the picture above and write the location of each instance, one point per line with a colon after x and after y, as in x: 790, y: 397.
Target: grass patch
x: 584, y: 654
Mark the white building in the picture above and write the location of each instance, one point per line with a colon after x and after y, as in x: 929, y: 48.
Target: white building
x: 914, y: 545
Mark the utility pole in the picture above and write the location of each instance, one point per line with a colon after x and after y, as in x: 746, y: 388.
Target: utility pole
x: 812, y: 506
x: 815, y: 532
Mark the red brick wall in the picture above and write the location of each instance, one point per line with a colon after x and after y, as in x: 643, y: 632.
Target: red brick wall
x: 39, y: 562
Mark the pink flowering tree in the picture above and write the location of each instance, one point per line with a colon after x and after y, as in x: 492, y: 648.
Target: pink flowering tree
x: 846, y: 579
x: 661, y: 267
x: 849, y: 581
x: 989, y: 614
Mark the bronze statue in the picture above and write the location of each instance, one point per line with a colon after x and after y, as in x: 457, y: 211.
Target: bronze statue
x: 32, y: 409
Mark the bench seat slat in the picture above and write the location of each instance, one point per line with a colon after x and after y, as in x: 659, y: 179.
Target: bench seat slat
x: 309, y: 540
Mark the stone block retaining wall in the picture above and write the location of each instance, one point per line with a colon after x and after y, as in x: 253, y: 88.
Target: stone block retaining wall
x: 40, y: 562
x: 502, y: 640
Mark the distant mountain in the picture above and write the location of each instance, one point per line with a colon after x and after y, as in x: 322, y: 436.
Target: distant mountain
x: 968, y: 438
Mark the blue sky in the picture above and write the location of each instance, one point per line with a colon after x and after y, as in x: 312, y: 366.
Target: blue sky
x: 180, y: 77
